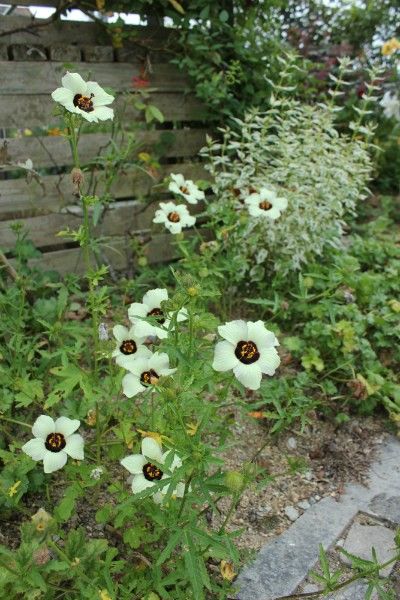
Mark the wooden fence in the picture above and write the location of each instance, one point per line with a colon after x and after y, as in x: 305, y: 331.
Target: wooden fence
x: 32, y: 62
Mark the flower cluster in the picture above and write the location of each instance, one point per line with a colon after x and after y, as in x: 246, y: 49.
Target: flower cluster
x: 84, y: 98
x: 176, y: 216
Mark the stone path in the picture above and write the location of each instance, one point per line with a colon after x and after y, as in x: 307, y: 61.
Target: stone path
x: 283, y: 564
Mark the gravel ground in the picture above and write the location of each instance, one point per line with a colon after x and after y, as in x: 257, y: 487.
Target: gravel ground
x: 332, y: 455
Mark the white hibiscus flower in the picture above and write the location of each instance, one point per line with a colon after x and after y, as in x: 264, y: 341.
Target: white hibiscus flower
x: 146, y: 469
x: 144, y: 372
x: 54, y: 441
x: 129, y: 344
x: 265, y: 204
x: 248, y: 349
x: 174, y: 216
x: 185, y: 188
x: 391, y: 105
x: 151, y: 307
x: 85, y: 98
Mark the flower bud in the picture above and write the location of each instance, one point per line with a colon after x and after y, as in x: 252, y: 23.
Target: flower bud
x: 193, y: 291
x: 234, y: 481
x: 142, y: 261
x: 41, y: 519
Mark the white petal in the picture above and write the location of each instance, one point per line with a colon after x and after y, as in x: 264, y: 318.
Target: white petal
x: 75, y: 83
x: 152, y: 450
x: 66, y: 426
x: 273, y: 213
x: 65, y: 97
x: 176, y: 461
x: 120, y: 333
x: 153, y: 298
x: 100, y: 96
x: 53, y: 461
x: 43, y: 426
x: 140, y: 483
x: 260, y: 335
x: 137, y: 365
x: 89, y: 116
x: 224, y: 357
x: 174, y: 188
x: 269, y: 360
x: 179, y: 491
x: 103, y: 113
x: 234, y: 331
x: 126, y: 360
x: 74, y: 446
x: 159, y: 362
x: 137, y: 309
x: 35, y: 449
x: 131, y: 385
x: 158, y: 497
x: 134, y: 463
x: 281, y: 203
x: 159, y: 217
x: 249, y: 375
x: 182, y: 315
x: 174, y: 228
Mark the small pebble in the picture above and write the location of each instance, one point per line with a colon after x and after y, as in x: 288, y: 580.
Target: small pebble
x: 304, y: 504
x: 291, y: 443
x: 308, y: 475
x: 291, y: 512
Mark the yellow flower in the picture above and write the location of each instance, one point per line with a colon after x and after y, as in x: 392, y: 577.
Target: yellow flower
x: 152, y: 434
x: 54, y: 131
x: 13, y: 489
x: 192, y: 428
x: 104, y: 595
x: 390, y: 47
x: 144, y: 156
x: 28, y: 132
x: 226, y: 569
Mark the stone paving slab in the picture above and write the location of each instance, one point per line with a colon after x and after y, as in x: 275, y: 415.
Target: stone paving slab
x: 283, y: 564
x: 360, y: 540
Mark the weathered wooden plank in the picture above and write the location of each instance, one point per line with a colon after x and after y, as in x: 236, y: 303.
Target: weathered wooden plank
x: 18, y: 198
x: 37, y: 111
x: 159, y: 250
x: 119, y: 219
x: 75, y: 32
x: 51, y: 151
x: 44, y: 77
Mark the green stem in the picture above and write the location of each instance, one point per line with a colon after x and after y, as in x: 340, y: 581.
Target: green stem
x: 15, y: 421
x: 232, y: 508
x: 340, y: 585
x: 182, y: 506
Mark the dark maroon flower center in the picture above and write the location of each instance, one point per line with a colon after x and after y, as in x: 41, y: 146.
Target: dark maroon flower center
x: 55, y: 442
x: 184, y: 189
x: 149, y: 377
x: 128, y: 347
x: 85, y: 103
x: 265, y: 205
x: 158, y: 314
x: 174, y: 217
x: 247, y: 352
x: 152, y: 472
